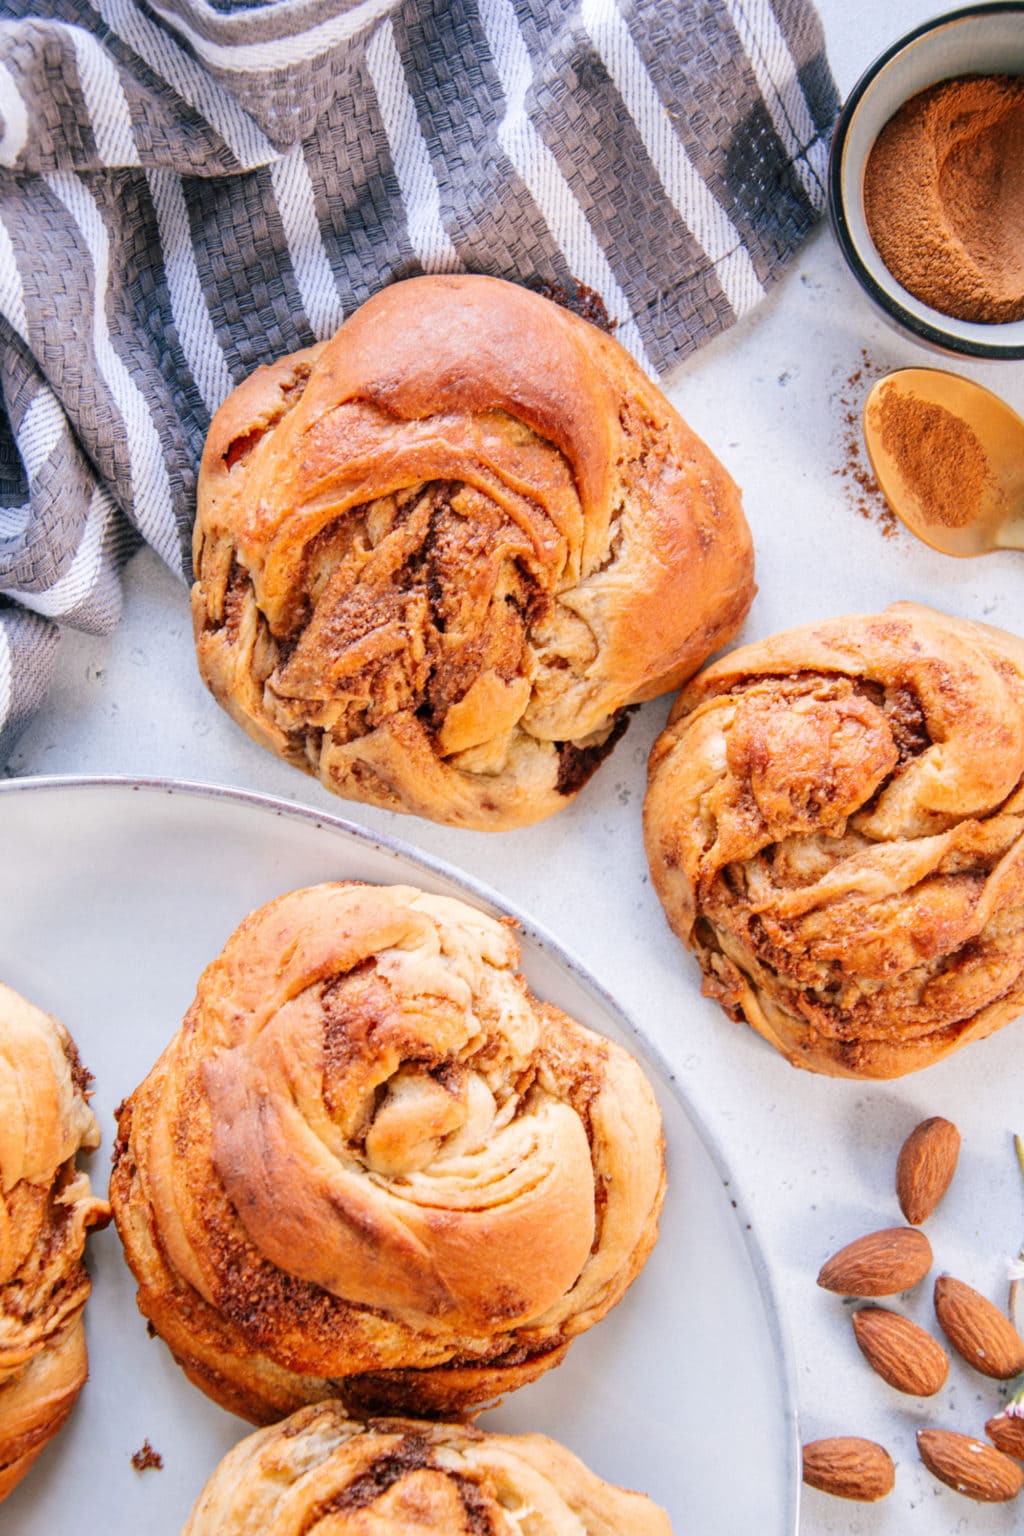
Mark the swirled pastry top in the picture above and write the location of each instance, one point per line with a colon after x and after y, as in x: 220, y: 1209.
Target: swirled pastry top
x: 46, y: 1205
x: 371, y: 1164
x: 437, y: 556
x: 328, y: 1475
x: 835, y: 824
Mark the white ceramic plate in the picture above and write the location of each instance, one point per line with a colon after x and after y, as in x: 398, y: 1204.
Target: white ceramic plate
x: 114, y: 897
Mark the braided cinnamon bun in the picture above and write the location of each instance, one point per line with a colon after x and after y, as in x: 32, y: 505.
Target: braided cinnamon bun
x: 438, y: 556
x: 835, y: 825
x: 46, y: 1207
x: 371, y: 1165
x: 328, y: 1475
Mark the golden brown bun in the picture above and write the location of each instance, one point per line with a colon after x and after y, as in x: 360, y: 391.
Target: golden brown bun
x: 45, y: 1208
x: 325, y: 1474
x: 439, y: 555
x: 835, y: 824
x: 371, y: 1165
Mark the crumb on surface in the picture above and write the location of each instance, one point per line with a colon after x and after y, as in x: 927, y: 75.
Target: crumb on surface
x: 146, y: 1459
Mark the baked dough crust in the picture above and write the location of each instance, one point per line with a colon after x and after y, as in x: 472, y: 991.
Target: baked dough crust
x: 46, y: 1207
x: 321, y: 1472
x: 371, y: 1165
x: 835, y: 825
x: 439, y: 556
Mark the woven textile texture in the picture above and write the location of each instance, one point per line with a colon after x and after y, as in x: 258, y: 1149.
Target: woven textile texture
x: 189, y: 188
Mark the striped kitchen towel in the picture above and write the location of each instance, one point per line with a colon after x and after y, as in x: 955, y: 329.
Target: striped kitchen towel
x: 189, y: 188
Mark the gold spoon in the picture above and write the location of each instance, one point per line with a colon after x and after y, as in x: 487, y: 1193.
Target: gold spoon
x: 949, y: 457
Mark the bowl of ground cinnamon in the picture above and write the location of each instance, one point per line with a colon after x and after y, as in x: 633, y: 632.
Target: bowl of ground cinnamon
x: 926, y: 181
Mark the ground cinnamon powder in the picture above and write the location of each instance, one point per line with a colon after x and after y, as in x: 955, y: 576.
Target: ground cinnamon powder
x: 853, y: 471
x: 944, y: 197
x: 942, y: 462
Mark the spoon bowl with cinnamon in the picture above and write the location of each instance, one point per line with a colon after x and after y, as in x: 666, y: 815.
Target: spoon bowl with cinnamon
x: 948, y: 455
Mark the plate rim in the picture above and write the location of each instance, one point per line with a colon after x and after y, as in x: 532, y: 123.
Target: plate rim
x: 484, y: 894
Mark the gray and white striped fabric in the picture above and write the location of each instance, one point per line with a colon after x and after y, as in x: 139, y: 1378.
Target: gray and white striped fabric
x: 191, y: 187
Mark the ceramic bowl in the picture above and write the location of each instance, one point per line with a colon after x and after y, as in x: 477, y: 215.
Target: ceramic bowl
x: 978, y: 40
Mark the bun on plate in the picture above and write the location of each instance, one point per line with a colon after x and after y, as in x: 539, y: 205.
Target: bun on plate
x: 371, y: 1165
x: 46, y: 1207
x: 328, y: 1475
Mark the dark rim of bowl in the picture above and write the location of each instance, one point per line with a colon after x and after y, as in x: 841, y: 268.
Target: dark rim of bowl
x: 947, y: 340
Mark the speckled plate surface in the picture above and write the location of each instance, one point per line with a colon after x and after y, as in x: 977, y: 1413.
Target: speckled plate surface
x: 116, y: 894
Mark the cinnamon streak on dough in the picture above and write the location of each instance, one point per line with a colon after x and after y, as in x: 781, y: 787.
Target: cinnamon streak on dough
x: 439, y: 556
x: 835, y: 825
x: 371, y: 1165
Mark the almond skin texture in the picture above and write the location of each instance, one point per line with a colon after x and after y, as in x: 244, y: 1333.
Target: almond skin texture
x: 879, y: 1264
x: 1006, y: 1431
x: 849, y: 1468
x: 969, y: 1466
x: 903, y: 1354
x: 925, y: 1167
x: 978, y: 1330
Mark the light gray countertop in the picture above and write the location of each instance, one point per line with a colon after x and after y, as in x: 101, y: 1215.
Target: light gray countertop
x: 815, y: 1157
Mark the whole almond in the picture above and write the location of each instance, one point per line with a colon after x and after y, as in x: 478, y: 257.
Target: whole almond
x: 849, y: 1468
x: 903, y: 1354
x: 1006, y: 1431
x: 970, y: 1466
x: 978, y: 1330
x: 925, y: 1167
x: 879, y: 1264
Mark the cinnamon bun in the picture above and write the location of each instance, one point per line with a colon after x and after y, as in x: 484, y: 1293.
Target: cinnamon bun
x: 371, y: 1165
x: 439, y: 556
x: 328, y: 1475
x: 835, y: 825
x: 46, y: 1208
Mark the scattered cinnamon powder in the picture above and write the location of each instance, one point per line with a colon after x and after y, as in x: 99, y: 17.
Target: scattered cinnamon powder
x: 146, y: 1458
x: 854, y: 472
x: 942, y: 463
x: 944, y: 197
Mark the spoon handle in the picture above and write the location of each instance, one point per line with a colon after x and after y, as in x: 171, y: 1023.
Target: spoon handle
x: 1011, y: 534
